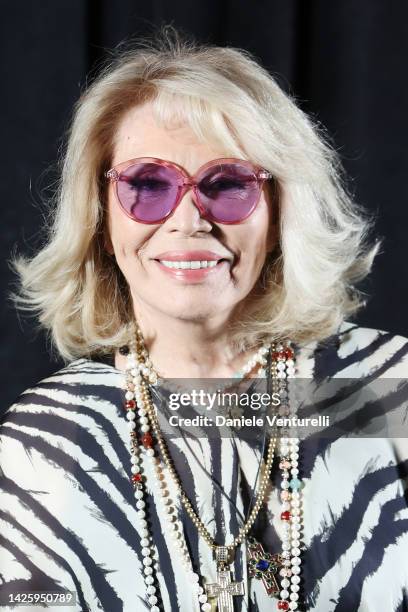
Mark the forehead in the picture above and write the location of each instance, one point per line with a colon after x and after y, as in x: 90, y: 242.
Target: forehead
x: 140, y: 134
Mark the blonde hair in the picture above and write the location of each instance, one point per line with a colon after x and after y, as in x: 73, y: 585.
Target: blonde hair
x: 306, y: 287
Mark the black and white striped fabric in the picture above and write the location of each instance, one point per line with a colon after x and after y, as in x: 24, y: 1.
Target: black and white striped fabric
x: 68, y: 517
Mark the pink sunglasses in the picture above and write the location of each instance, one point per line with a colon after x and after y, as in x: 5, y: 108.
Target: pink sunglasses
x: 226, y: 190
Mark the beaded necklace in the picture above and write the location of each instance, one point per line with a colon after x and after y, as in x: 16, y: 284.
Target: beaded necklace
x: 261, y: 565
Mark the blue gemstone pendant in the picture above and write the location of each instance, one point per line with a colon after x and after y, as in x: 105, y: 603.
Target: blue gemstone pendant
x: 263, y: 566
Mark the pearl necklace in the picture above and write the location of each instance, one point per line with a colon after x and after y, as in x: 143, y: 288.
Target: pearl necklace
x: 137, y: 396
x: 258, y: 360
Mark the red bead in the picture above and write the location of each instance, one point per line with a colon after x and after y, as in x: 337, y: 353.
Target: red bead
x: 147, y: 440
x: 283, y: 605
x: 285, y: 516
x: 275, y: 355
x: 289, y: 353
x: 130, y: 404
x: 136, y: 477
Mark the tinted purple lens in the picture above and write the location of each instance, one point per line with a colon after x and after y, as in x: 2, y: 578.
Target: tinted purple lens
x: 148, y: 191
x: 229, y: 192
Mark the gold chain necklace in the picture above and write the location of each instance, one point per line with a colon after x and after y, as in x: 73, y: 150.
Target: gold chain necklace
x: 223, y: 589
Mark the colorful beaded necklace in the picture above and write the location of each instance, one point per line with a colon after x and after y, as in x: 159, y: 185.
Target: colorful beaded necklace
x: 261, y: 565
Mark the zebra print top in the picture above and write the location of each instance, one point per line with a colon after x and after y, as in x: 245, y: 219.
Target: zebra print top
x: 68, y: 517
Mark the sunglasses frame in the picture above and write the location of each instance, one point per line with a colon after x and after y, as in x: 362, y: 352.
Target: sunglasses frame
x: 187, y: 182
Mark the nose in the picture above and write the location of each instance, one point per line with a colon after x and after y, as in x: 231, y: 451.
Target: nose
x: 186, y: 217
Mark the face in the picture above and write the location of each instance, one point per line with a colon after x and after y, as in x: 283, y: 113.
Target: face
x: 194, y: 295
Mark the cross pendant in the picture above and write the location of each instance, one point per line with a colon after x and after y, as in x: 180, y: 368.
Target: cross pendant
x: 224, y: 590
x: 264, y: 566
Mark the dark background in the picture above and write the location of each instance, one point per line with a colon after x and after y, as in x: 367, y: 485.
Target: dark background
x: 344, y: 61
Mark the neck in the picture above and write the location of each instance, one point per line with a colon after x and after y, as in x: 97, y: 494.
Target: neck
x: 189, y: 349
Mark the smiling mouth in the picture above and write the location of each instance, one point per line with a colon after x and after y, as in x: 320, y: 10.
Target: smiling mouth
x: 190, y: 264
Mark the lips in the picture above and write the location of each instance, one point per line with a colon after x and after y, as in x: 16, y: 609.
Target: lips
x: 196, y: 255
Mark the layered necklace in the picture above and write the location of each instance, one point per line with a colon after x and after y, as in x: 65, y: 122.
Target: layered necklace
x: 279, y: 573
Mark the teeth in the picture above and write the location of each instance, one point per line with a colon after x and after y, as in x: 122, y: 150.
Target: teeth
x: 188, y: 265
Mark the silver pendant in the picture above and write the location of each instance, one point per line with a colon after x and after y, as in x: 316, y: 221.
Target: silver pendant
x: 224, y: 589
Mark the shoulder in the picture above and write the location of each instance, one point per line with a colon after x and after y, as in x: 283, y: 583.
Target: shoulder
x: 80, y: 383
x: 373, y: 350
x: 355, y: 351
x: 65, y: 416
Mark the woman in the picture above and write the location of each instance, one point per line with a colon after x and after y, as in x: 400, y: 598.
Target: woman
x: 201, y: 230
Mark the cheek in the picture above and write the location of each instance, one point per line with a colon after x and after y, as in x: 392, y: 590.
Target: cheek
x: 255, y: 237
x: 126, y: 236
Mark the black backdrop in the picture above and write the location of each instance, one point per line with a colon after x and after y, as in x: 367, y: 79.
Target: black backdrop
x: 344, y: 61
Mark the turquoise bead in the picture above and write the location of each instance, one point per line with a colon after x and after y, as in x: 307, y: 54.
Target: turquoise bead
x: 295, y: 484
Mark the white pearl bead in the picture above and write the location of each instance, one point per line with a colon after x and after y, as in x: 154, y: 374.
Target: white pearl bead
x: 145, y: 552
x: 295, y: 579
x: 150, y: 452
x: 145, y: 428
x: 130, y: 415
x: 151, y: 590
x: 155, y: 609
x: 149, y: 580
x: 147, y: 561
x: 141, y: 514
x: 294, y: 588
x: 194, y: 577
x: 295, y: 552
x: 140, y: 504
x: 139, y: 494
x: 293, y: 605
x: 131, y: 425
x: 295, y: 570
x: 153, y: 599
x: 145, y: 532
x: 285, y: 582
x: 202, y: 598
x: 134, y: 459
x: 284, y: 594
x: 129, y: 395
x: 135, y: 469
x: 144, y: 541
x: 205, y: 607
x: 148, y: 571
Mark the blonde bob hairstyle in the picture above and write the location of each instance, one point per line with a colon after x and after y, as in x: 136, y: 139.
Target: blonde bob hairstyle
x: 306, y: 287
